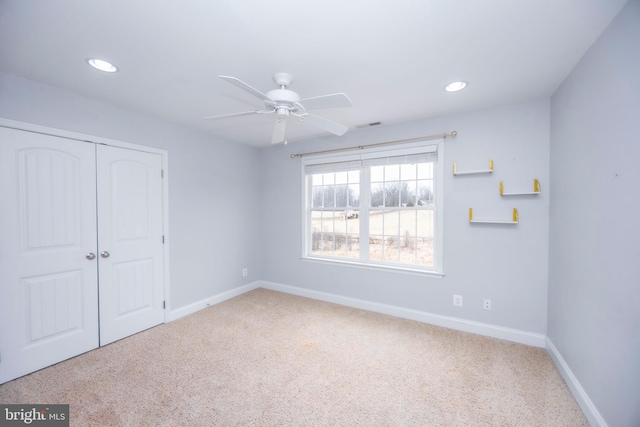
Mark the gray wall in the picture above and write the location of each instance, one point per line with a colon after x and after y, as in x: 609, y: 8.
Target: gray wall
x: 594, y: 257
x: 507, y: 264
x: 212, y: 184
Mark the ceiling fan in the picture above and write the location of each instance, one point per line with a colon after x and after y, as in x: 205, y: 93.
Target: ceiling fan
x: 284, y: 103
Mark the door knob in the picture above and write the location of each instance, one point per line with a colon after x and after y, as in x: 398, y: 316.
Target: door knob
x: 105, y: 254
x: 90, y: 255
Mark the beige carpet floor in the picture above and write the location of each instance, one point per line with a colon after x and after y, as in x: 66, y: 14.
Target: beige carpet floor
x: 271, y: 359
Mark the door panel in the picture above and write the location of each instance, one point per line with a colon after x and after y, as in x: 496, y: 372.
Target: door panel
x: 133, y: 285
x: 48, y: 181
x: 130, y: 231
x: 48, y: 288
x: 53, y: 305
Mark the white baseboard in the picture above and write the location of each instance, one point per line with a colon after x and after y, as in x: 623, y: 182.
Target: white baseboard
x: 514, y: 335
x: 199, y: 305
x: 587, y: 406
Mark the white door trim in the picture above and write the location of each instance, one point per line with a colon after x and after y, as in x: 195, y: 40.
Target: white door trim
x: 30, y: 127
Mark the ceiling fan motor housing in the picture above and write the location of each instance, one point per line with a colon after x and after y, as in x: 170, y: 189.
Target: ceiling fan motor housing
x: 284, y: 101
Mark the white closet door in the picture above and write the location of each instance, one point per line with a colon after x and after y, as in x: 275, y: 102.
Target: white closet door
x: 131, y: 283
x: 48, y: 278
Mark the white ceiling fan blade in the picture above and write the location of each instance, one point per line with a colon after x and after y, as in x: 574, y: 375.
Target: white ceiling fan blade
x: 242, y: 85
x: 278, y: 131
x: 244, y: 113
x: 328, y: 125
x: 334, y: 100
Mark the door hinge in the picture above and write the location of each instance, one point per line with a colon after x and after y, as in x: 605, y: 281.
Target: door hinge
x: 164, y: 304
x: 161, y: 173
x: 163, y: 239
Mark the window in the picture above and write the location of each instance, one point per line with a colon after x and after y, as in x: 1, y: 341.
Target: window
x: 379, y: 208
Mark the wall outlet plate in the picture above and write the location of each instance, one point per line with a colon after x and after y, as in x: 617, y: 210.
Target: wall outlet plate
x: 487, y: 304
x: 457, y: 300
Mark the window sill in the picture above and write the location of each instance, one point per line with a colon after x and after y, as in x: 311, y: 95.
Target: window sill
x: 375, y: 267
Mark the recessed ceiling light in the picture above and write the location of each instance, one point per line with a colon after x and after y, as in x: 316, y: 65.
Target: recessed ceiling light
x: 455, y: 86
x: 101, y: 65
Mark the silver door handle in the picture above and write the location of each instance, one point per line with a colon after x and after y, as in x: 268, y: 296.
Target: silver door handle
x: 90, y: 255
x: 105, y: 254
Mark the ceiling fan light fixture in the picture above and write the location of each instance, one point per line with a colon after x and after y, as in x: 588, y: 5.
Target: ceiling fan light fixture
x: 102, y: 65
x: 455, y: 86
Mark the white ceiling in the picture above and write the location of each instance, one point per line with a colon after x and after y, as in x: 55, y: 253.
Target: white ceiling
x: 392, y: 58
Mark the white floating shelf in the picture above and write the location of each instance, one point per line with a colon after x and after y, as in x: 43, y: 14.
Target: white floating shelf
x: 536, y: 190
x: 514, y: 219
x: 490, y: 170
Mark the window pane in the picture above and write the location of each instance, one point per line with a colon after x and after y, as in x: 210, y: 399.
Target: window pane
x: 341, y: 195
x: 425, y: 193
x: 354, y: 195
x: 321, y: 241
x: 328, y: 178
x: 316, y: 238
x: 426, y: 221
x: 316, y: 221
x: 407, y: 250
x: 408, y: 194
x: 340, y: 222
x: 340, y: 244
x: 316, y: 179
x: 408, y: 172
x: 375, y: 247
x: 354, y: 177
x: 392, y: 194
x: 341, y: 178
x: 392, y: 173
x: 329, y: 197
x: 328, y: 218
x: 391, y: 223
x: 352, y: 221
x: 424, y: 251
x: 407, y: 223
x: 390, y: 249
x: 353, y: 246
x: 327, y: 244
x: 376, y: 225
x: 316, y: 197
x: 377, y: 173
x: 375, y: 222
x: 377, y: 195
x: 425, y: 170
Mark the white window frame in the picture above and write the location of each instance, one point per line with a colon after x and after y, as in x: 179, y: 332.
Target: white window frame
x: 386, y: 151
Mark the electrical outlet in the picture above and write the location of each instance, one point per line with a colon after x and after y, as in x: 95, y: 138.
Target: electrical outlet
x: 245, y: 272
x: 487, y: 304
x: 457, y: 300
